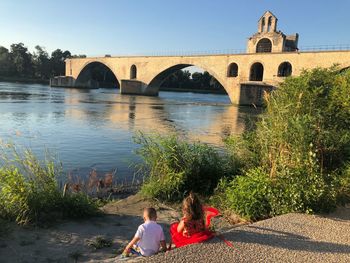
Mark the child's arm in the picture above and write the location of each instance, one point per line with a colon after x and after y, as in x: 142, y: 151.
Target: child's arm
x: 181, y: 226
x: 132, y: 242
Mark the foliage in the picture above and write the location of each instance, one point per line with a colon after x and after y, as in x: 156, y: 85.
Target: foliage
x: 300, y: 149
x: 19, y: 62
x: 256, y: 195
x: 21, y: 59
x: 183, y: 79
x: 174, y: 167
x: 343, y: 186
x: 30, y: 194
x: 307, y: 115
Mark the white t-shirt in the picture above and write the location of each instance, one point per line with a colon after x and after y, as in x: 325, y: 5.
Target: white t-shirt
x: 150, y: 234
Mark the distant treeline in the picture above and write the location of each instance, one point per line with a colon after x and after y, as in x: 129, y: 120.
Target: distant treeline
x: 183, y: 79
x: 18, y: 62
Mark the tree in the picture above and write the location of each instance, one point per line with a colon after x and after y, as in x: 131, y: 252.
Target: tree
x: 197, y: 79
x: 6, y: 67
x: 20, y: 63
x: 57, y: 62
x: 22, y: 60
x: 41, y: 63
x: 79, y: 56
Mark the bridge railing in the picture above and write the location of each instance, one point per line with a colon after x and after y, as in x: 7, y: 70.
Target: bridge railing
x: 325, y: 47
x: 189, y: 53
x: 228, y: 51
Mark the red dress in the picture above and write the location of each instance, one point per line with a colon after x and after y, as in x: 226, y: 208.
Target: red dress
x: 194, y: 231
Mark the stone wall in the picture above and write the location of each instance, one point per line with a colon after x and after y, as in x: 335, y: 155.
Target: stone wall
x: 149, y: 67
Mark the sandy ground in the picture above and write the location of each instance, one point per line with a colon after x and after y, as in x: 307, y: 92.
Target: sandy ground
x: 69, y: 241
x: 288, y: 238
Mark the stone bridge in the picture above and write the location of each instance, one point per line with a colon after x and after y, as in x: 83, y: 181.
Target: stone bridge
x: 271, y: 56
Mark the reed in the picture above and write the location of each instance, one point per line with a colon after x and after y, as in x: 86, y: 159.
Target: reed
x: 298, y: 155
x: 30, y: 191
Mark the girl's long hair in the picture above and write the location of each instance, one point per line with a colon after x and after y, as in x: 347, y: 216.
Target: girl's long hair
x: 192, y: 207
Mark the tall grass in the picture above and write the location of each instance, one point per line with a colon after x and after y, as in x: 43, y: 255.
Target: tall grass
x: 30, y: 192
x: 300, y: 150
x: 173, y: 167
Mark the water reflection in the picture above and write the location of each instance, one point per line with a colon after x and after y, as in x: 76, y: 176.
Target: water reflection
x: 94, y: 128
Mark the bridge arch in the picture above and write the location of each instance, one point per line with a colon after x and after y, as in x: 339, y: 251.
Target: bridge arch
x: 96, y: 74
x: 157, y: 80
x: 256, y: 72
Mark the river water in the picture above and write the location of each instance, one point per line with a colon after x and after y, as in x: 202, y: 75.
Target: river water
x: 94, y: 129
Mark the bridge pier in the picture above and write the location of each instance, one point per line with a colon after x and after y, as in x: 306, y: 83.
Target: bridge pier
x: 136, y: 87
x: 250, y: 93
x: 253, y: 93
x: 62, y: 81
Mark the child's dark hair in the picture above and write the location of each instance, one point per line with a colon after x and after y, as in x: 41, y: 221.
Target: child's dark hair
x: 192, y: 207
x: 151, y: 212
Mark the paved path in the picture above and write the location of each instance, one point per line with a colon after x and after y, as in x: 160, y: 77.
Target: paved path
x: 287, y: 238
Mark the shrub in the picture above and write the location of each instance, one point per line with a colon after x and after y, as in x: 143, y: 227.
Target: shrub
x: 306, y: 115
x: 300, y: 150
x: 256, y: 195
x: 174, y: 167
x: 30, y: 194
x: 249, y: 195
x: 343, y: 186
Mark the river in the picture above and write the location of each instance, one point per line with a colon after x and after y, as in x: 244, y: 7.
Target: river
x: 94, y: 129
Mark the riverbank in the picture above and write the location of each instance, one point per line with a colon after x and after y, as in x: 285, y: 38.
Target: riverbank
x: 24, y: 80
x: 72, y: 241
x: 75, y: 241
x: 322, y: 238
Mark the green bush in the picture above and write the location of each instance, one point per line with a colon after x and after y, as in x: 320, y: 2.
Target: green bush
x: 299, y: 153
x: 174, y: 167
x: 249, y: 195
x: 343, y: 186
x: 30, y: 194
x: 256, y: 195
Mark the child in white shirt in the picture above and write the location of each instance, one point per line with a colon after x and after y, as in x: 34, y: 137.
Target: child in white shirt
x: 149, y: 236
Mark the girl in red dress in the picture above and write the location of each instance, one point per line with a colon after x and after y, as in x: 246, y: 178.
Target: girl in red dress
x: 193, y: 227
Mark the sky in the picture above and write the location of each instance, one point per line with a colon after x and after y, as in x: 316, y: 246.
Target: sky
x: 121, y: 27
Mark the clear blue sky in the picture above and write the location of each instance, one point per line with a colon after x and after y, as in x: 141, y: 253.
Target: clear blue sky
x: 98, y: 27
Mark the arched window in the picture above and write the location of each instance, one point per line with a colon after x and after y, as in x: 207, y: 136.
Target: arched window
x: 264, y: 45
x: 262, y: 24
x: 256, y: 72
x: 269, y: 22
x: 284, y: 69
x: 232, y: 70
x: 133, y: 72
